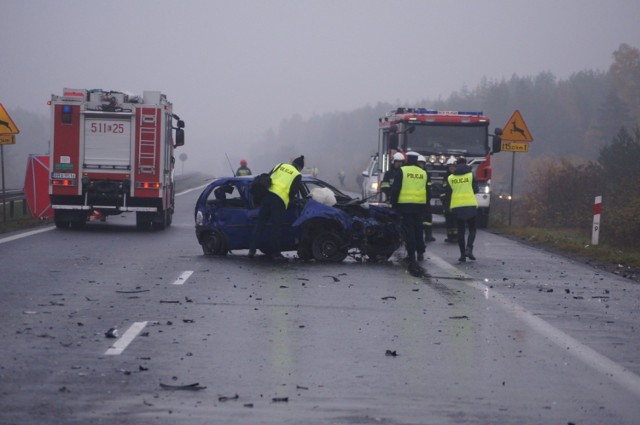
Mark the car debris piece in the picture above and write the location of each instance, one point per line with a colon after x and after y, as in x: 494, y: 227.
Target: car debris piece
x: 228, y: 398
x: 189, y: 387
x: 137, y: 291
x: 390, y: 353
x: 111, y: 333
x: 335, y: 279
x: 390, y: 297
x: 459, y: 317
x: 280, y: 399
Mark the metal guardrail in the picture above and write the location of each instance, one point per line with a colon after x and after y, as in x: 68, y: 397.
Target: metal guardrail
x: 8, y: 199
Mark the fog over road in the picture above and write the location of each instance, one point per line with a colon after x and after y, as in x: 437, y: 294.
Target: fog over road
x: 519, y: 336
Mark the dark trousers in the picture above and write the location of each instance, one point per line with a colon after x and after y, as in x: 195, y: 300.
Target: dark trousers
x: 272, y: 208
x: 451, y: 225
x: 462, y: 224
x: 412, y: 224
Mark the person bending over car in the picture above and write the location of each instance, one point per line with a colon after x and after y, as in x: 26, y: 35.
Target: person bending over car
x: 285, y: 182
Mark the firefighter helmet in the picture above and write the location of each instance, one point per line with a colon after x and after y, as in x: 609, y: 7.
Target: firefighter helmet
x: 421, y: 158
x: 451, y: 160
x: 398, y: 156
x: 243, y: 162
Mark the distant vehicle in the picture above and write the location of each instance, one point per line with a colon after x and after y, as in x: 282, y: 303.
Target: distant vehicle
x: 111, y: 153
x: 438, y: 135
x: 371, y: 179
x: 226, y: 214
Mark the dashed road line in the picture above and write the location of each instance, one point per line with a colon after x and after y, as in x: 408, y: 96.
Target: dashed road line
x: 119, y: 346
x: 183, y: 277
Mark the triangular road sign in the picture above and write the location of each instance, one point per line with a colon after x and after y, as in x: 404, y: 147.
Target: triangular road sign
x: 7, y: 126
x: 515, y: 130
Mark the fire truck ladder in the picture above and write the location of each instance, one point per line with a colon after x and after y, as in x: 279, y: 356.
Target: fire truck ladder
x: 148, y: 143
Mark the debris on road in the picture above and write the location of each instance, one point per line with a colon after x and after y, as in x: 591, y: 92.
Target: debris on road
x: 280, y: 399
x: 228, y: 398
x: 137, y: 291
x: 111, y: 333
x: 189, y: 387
x: 335, y: 279
x: 390, y: 353
x: 459, y: 317
x: 390, y: 297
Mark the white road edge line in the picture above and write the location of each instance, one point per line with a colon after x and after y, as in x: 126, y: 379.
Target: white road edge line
x: 183, y: 277
x: 119, y: 346
x: 26, y: 234
x: 590, y: 357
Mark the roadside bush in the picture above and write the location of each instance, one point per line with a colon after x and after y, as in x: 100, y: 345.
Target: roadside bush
x: 564, y: 193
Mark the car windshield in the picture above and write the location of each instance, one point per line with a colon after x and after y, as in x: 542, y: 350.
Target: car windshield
x: 309, y: 185
x: 470, y: 139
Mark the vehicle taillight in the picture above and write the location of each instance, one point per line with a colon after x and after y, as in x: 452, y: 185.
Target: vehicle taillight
x: 148, y: 185
x: 64, y: 182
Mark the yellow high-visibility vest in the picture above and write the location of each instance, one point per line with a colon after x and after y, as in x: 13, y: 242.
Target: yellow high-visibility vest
x: 462, y: 191
x: 281, y: 180
x: 414, y: 185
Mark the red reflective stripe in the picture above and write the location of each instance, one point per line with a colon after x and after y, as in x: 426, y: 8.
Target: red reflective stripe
x: 597, y: 208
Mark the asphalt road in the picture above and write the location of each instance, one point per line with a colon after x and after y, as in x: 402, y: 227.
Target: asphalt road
x: 520, y: 336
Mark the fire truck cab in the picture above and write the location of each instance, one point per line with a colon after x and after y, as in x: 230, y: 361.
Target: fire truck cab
x: 113, y: 152
x: 438, y: 135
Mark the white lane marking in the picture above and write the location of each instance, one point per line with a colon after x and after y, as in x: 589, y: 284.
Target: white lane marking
x: 119, y: 346
x: 183, y: 277
x: 572, y: 346
x: 192, y: 189
x: 26, y: 234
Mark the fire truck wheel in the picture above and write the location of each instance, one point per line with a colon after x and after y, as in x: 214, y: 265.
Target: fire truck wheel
x: 143, y: 221
x: 160, y: 220
x: 60, y: 223
x: 328, y: 247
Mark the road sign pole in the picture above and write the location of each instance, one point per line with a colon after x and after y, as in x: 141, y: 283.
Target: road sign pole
x: 4, y: 203
x: 513, y: 168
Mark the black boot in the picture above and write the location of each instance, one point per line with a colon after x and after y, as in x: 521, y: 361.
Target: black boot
x: 428, y: 234
x: 469, y: 251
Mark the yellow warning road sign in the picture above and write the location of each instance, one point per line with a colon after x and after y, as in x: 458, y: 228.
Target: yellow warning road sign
x: 514, y: 146
x: 7, y: 126
x: 515, y: 130
x: 7, y: 139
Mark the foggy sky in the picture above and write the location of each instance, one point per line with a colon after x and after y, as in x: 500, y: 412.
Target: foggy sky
x: 233, y: 69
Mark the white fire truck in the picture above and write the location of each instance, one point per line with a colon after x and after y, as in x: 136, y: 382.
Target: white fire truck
x: 113, y: 152
x: 437, y: 135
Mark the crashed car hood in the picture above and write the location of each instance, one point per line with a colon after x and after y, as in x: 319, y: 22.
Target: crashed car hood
x: 314, y: 209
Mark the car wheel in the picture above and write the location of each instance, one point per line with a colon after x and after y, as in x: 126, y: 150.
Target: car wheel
x: 328, y: 247
x: 214, y: 242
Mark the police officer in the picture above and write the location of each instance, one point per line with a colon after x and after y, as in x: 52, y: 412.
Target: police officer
x: 409, y: 198
x: 464, y: 206
x: 285, y: 183
x: 388, y: 178
x: 243, y: 170
x: 445, y: 198
x: 427, y: 221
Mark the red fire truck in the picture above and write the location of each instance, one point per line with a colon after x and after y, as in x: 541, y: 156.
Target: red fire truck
x: 113, y: 152
x: 438, y: 135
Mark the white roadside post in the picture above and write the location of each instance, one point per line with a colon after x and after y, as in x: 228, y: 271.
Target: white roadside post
x: 597, y: 207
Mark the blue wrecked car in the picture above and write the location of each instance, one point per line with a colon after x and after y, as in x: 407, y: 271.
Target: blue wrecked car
x: 226, y: 213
